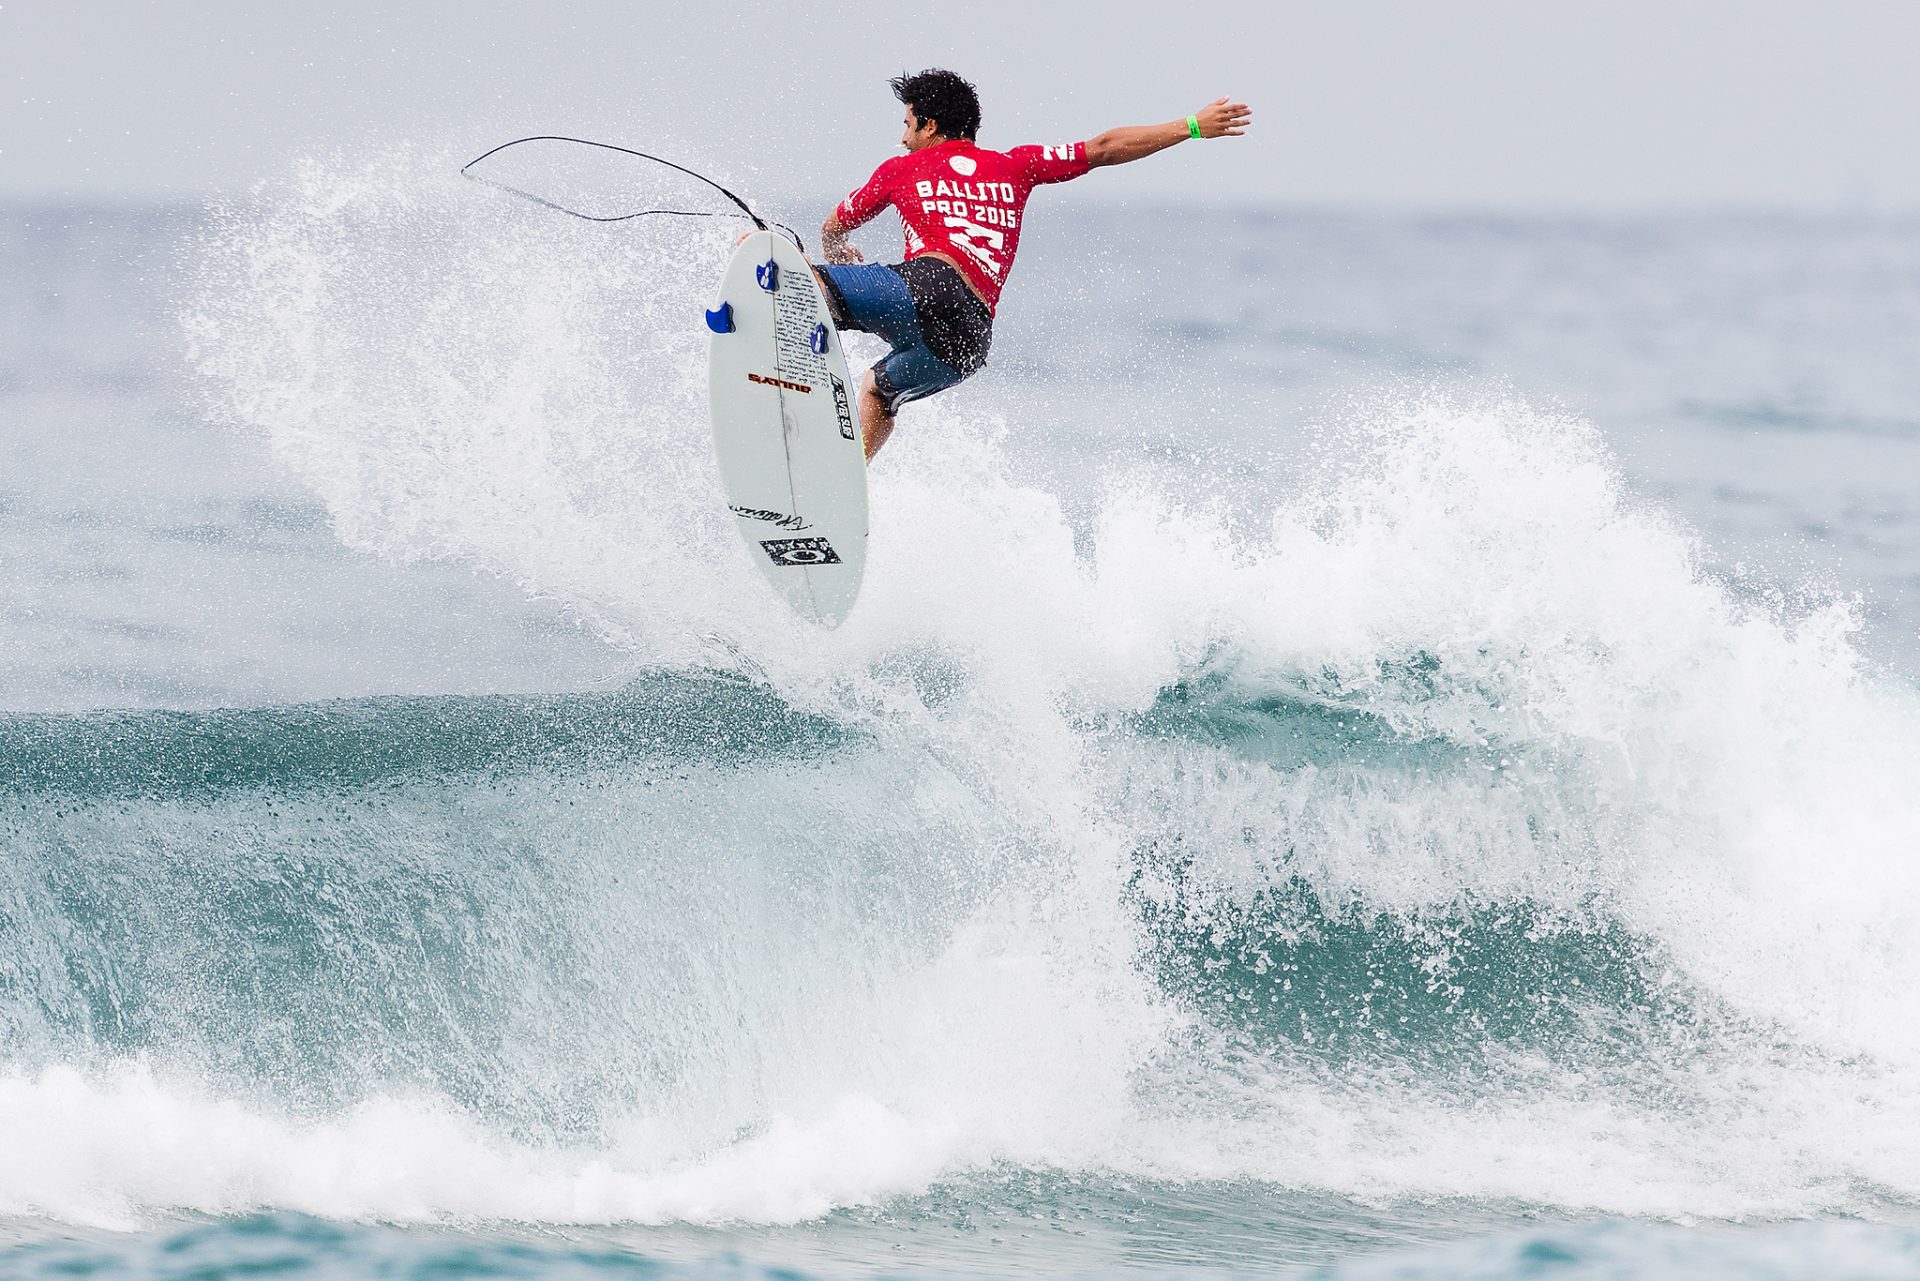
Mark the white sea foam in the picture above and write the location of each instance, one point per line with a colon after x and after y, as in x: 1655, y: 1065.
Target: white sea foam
x: 1614, y: 737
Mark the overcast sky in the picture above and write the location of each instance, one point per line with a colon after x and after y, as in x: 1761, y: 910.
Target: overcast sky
x: 1515, y: 104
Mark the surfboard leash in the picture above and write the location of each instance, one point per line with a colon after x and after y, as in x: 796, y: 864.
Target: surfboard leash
x: 745, y: 209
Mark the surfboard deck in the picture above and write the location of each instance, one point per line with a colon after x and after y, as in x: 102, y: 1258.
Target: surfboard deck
x: 786, y: 431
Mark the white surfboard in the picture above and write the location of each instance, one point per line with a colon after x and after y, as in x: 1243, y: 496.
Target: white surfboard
x: 786, y: 430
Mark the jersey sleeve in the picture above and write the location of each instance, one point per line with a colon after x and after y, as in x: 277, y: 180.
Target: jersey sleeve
x: 1040, y: 165
x: 877, y: 194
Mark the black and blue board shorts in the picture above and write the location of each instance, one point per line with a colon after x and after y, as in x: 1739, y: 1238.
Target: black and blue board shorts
x: 939, y: 328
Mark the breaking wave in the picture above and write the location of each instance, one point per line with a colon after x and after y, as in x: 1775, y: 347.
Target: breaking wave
x: 1426, y: 822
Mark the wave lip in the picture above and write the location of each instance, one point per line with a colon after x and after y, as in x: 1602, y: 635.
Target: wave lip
x: 347, y: 744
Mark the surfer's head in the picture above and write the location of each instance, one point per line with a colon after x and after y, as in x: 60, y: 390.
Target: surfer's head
x: 940, y: 106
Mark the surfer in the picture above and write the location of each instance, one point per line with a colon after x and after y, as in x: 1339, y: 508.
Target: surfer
x: 960, y: 207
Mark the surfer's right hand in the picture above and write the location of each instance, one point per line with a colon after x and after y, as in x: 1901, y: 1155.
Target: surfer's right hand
x: 833, y: 242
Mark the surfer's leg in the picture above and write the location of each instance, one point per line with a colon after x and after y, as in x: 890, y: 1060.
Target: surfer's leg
x: 875, y: 298
x: 906, y: 374
x: 876, y: 424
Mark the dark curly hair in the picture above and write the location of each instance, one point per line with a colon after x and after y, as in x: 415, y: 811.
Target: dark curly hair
x: 942, y: 97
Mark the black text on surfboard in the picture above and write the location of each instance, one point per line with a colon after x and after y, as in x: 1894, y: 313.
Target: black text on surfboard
x: 781, y: 519
x: 841, y: 406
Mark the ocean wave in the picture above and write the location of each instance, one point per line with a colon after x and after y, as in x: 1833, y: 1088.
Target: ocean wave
x: 679, y: 718
x: 1423, y: 821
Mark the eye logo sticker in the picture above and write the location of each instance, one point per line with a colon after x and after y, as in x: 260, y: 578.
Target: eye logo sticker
x: 801, y: 551
x: 964, y: 165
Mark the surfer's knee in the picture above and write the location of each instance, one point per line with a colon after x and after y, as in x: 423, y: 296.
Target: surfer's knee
x: 873, y: 400
x: 886, y: 388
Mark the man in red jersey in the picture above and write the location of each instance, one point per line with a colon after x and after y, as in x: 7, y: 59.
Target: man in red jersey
x: 960, y: 206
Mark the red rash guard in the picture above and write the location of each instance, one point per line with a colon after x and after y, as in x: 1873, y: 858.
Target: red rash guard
x: 963, y: 202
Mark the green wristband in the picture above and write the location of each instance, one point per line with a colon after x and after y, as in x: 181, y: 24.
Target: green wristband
x: 1193, y: 126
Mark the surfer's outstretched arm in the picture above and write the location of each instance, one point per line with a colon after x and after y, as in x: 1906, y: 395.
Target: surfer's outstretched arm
x: 1218, y: 119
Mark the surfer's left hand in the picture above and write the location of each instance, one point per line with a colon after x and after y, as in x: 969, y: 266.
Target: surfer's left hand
x: 1223, y: 119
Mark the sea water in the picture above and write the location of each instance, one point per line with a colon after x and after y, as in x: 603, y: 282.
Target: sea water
x: 1372, y: 746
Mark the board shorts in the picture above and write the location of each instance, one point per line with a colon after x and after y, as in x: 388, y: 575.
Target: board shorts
x: 939, y: 328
